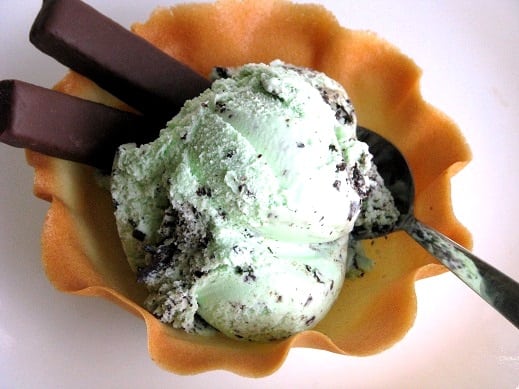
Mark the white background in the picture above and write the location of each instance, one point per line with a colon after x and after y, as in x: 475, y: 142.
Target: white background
x: 469, y: 52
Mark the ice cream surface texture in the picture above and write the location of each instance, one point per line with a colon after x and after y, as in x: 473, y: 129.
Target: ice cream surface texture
x: 238, y: 215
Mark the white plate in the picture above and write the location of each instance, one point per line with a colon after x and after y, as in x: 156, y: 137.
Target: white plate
x: 470, y: 59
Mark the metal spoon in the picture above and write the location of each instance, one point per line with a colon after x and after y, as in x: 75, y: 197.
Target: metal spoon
x: 496, y: 288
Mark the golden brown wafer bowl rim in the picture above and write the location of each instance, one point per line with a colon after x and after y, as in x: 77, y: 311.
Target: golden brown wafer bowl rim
x: 82, y: 254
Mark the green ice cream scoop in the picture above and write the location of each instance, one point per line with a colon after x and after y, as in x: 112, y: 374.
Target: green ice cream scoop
x: 237, y: 217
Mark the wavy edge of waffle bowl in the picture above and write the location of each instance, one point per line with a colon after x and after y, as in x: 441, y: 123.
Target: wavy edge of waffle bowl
x: 81, y: 251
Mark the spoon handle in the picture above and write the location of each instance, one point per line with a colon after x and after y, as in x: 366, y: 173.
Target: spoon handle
x: 496, y: 288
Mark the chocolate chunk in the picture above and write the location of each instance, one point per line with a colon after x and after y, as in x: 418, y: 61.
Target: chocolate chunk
x: 139, y: 235
x: 221, y: 72
x: 119, y: 61
x: 66, y: 127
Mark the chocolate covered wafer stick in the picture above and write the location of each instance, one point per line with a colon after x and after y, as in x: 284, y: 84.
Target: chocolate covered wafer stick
x: 119, y: 61
x: 67, y: 127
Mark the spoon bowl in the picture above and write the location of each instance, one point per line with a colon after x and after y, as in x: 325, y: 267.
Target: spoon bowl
x: 492, y: 285
x: 393, y: 168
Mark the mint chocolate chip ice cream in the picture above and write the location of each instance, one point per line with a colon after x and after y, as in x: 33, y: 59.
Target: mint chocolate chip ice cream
x: 238, y: 216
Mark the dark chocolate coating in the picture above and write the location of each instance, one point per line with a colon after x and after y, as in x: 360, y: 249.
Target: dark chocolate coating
x: 119, y: 61
x: 67, y: 127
